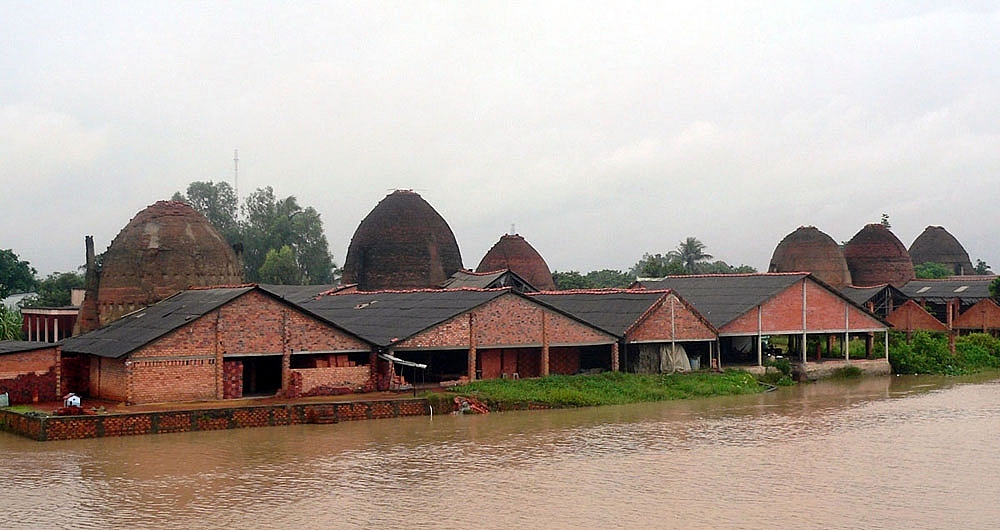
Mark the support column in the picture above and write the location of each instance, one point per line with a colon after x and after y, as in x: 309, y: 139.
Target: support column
x: 286, y: 356
x: 760, y: 338
x: 545, y: 346
x: 471, y: 367
x: 805, y: 328
x: 847, y: 331
x: 614, y: 357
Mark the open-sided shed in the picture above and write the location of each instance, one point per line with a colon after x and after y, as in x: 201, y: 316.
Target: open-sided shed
x: 747, y: 308
x: 658, y: 330
x: 473, y: 333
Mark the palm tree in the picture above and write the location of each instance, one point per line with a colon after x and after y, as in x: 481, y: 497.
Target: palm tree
x: 690, y: 253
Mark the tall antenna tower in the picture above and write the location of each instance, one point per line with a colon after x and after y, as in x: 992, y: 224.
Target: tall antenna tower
x: 236, y: 174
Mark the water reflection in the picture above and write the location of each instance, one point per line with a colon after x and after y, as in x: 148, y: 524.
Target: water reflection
x: 874, y: 453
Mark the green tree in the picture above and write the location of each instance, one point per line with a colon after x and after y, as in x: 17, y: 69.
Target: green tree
x: 656, y: 266
x: 569, y: 280
x: 267, y: 223
x: 721, y: 267
x: 995, y: 288
x: 690, y: 253
x: 271, y: 223
x: 217, y: 201
x: 16, y: 276
x: 56, y: 290
x: 279, y: 267
x: 10, y: 323
x: 606, y: 278
x: 982, y: 267
x: 931, y: 270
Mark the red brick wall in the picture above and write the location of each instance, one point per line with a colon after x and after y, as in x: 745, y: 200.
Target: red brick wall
x: 181, y: 366
x: 911, y: 317
x: 31, y: 376
x: 36, y: 361
x: 983, y: 316
x: 154, y: 381
x: 107, y: 378
x: 783, y: 313
x: 506, y: 321
x: 656, y: 326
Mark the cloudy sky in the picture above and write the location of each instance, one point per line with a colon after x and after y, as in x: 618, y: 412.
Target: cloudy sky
x: 599, y: 130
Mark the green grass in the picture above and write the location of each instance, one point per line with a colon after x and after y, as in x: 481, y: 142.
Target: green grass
x: 610, y: 388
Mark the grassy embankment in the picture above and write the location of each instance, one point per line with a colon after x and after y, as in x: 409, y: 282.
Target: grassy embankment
x: 610, y: 388
x: 928, y: 353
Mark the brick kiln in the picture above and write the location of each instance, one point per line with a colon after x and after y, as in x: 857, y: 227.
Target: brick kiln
x: 403, y: 243
x: 807, y: 249
x: 875, y: 256
x: 512, y: 252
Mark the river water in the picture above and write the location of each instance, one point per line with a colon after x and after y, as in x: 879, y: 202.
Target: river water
x: 892, y: 452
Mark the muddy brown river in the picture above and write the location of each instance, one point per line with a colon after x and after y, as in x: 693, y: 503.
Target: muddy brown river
x: 893, y: 452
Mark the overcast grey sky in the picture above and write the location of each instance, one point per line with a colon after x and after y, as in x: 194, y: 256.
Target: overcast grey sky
x: 601, y: 130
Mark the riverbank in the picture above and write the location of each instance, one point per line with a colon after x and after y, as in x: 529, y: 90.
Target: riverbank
x: 609, y: 388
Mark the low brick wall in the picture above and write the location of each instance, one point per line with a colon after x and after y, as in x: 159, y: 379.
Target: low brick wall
x: 77, y: 427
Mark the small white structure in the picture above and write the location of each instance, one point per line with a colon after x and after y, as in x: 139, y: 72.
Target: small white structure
x: 71, y: 400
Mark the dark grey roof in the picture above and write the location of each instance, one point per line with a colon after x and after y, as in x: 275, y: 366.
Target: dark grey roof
x: 18, y: 346
x: 861, y: 295
x: 721, y: 298
x: 297, y: 294
x: 611, y: 311
x: 968, y: 289
x: 474, y: 280
x: 488, y: 280
x: 144, y: 326
x: 384, y: 317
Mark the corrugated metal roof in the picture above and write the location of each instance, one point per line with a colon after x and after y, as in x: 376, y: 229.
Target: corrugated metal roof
x: 721, y: 298
x: 137, y: 329
x: 385, y: 317
x: 969, y: 289
x: 611, y: 311
x: 18, y: 346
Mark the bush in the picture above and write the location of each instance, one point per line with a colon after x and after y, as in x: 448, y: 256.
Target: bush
x: 928, y: 353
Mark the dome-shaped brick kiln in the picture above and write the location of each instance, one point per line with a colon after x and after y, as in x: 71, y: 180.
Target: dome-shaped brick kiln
x: 514, y: 253
x: 165, y: 248
x: 403, y: 243
x: 807, y: 249
x: 936, y: 245
x: 875, y: 256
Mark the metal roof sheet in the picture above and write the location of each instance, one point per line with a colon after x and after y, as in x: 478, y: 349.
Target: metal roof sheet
x: 969, y: 289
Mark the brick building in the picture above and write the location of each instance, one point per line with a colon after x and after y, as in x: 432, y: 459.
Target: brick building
x: 29, y: 371
x: 220, y: 343
x: 657, y: 330
x: 471, y: 333
x: 746, y: 308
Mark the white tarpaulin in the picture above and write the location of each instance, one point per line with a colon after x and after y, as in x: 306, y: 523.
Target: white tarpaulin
x: 673, y: 361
